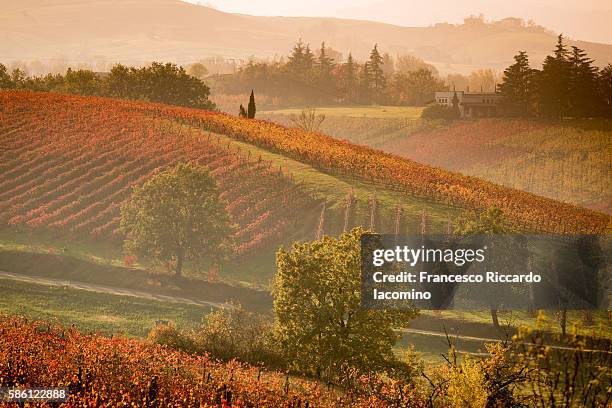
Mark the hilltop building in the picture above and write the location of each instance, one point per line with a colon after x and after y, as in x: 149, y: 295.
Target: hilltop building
x: 471, y: 104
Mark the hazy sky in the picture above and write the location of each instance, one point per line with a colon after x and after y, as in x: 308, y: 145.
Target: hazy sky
x: 589, y: 20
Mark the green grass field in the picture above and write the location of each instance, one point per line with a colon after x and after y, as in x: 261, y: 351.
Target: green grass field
x: 600, y: 323
x: 382, y: 112
x: 93, y: 312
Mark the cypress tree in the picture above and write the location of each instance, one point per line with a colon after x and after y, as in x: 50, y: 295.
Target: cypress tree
x: 251, y: 108
x: 456, y: 112
x: 242, y: 113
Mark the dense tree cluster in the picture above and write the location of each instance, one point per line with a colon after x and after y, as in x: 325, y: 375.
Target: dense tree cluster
x: 165, y: 83
x: 317, y: 77
x: 568, y: 85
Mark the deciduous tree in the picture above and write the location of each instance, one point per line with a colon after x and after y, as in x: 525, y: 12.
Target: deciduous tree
x: 319, y: 321
x: 177, y: 215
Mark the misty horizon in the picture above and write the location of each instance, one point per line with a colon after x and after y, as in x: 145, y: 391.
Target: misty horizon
x: 584, y: 21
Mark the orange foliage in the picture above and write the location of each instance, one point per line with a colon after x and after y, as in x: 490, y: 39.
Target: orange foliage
x: 68, y: 163
x: 117, y: 371
x: 526, y: 210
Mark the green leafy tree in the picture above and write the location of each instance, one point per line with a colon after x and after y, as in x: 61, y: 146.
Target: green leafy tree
x: 435, y: 111
x: 197, y: 70
x: 251, y: 109
x: 319, y: 322
x: 6, y: 81
x: 488, y: 222
x: 81, y: 82
x: 242, y: 112
x: 169, y: 83
x: 518, y: 87
x: 176, y: 216
x: 121, y: 82
x: 414, y: 87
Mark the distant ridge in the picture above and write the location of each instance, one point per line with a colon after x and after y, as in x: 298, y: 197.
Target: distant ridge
x: 139, y: 31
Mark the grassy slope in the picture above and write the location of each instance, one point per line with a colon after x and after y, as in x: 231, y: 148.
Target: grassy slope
x: 568, y: 161
x: 380, y: 112
x: 92, y: 312
x: 371, y: 131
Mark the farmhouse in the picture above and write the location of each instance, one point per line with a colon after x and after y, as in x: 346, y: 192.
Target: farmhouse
x: 471, y: 104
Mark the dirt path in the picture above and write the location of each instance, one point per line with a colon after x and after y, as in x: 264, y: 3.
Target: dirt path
x: 176, y: 299
x: 486, y: 340
x: 109, y: 290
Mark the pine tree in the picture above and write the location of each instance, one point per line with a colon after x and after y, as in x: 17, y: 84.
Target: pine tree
x: 251, y: 108
x: 582, y: 84
x: 308, y: 69
x: 604, y: 85
x: 364, y: 93
x: 388, y: 64
x: 295, y: 61
x: 517, y: 87
x: 553, y: 83
x: 376, y: 74
x: 349, y: 78
x: 325, y: 68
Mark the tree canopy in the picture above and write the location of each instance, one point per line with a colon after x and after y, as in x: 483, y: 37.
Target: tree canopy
x: 176, y: 216
x: 319, y: 321
x: 568, y: 85
x: 158, y: 82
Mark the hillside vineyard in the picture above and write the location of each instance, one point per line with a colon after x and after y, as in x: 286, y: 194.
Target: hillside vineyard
x: 69, y: 162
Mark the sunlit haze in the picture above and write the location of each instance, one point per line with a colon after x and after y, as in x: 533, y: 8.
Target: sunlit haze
x: 584, y: 20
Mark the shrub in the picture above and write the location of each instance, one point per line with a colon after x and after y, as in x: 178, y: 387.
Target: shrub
x: 466, y: 386
x: 168, y: 335
x: 236, y: 333
x: 436, y: 111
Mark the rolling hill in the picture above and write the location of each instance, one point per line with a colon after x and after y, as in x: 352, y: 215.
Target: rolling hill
x: 69, y: 162
x: 138, y: 31
x: 568, y: 161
